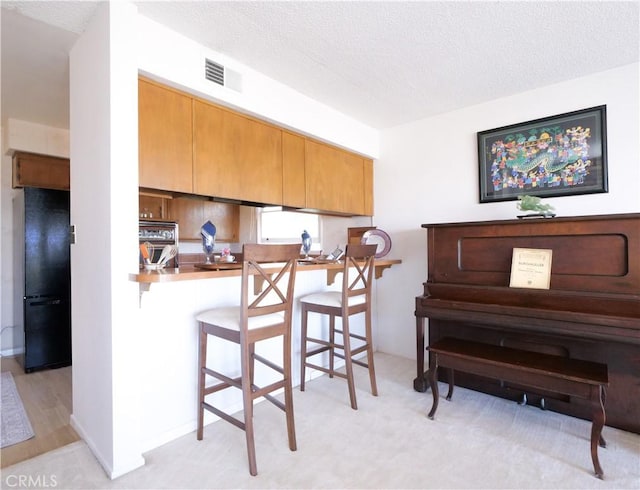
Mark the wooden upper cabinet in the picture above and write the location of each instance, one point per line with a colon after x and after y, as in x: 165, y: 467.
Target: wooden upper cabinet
x: 236, y: 157
x: 336, y: 179
x: 47, y: 172
x: 192, y: 146
x: 165, y: 138
x: 293, y: 175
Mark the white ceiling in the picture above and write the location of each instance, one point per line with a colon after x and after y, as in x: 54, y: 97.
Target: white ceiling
x: 383, y: 63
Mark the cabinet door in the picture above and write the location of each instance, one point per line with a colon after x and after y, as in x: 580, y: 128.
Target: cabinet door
x: 236, y: 157
x: 207, y: 155
x: 368, y: 187
x: 191, y: 213
x: 165, y: 138
x: 335, y: 180
x: 293, y: 181
x: 32, y: 170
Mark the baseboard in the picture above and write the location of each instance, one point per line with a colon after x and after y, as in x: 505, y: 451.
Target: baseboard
x: 190, y: 427
x: 111, y: 472
x: 12, y: 352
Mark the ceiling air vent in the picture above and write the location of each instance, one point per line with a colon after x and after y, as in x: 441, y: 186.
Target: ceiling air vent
x: 214, y: 72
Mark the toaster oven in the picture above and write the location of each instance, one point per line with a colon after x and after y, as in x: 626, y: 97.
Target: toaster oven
x: 159, y: 234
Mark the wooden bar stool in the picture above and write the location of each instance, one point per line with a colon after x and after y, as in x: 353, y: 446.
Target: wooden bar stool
x: 354, y: 298
x: 261, y: 315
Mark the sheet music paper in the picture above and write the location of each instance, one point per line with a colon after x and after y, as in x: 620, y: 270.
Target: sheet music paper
x: 531, y: 268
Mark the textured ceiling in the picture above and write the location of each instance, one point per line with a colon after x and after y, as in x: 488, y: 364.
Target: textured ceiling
x: 383, y: 63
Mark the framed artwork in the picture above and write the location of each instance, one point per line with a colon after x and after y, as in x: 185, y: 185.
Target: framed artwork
x: 554, y: 156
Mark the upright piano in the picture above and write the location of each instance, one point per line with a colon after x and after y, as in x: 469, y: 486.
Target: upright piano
x: 591, y: 310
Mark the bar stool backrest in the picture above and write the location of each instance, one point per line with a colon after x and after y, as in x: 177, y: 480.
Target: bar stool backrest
x: 359, y: 258
x: 272, y: 292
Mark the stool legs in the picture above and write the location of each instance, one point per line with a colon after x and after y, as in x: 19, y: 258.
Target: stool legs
x: 346, y: 352
x: 288, y: 393
x: 332, y: 344
x: 370, y: 364
x: 348, y: 364
x: 247, y: 370
x: 247, y: 385
x: 202, y: 362
x: 303, y: 346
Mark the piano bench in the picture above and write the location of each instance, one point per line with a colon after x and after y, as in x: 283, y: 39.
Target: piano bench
x: 557, y: 374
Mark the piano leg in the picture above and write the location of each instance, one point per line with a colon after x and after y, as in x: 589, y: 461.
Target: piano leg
x: 420, y: 383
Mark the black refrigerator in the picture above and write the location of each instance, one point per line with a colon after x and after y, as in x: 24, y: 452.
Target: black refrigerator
x: 43, y: 277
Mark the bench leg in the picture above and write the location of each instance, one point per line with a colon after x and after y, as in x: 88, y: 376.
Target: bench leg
x: 603, y: 397
x: 433, y: 382
x: 596, y: 428
x: 451, y: 383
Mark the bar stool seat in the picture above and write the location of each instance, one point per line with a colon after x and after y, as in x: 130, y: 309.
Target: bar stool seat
x: 332, y: 299
x: 354, y: 298
x: 229, y: 318
x: 262, y: 315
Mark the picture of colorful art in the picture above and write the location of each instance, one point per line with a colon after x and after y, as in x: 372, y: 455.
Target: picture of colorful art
x: 550, y: 158
x: 560, y: 155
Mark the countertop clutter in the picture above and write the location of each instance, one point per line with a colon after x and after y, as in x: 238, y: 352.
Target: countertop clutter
x: 192, y: 272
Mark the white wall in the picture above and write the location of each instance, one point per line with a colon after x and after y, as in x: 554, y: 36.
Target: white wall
x: 104, y: 208
x: 428, y: 173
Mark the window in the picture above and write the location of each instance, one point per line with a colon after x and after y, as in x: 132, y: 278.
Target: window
x: 277, y: 226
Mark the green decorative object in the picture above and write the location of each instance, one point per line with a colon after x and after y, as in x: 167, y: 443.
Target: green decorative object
x: 534, y: 203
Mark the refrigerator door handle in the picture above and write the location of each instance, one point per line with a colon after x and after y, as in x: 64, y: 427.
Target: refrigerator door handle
x: 46, y: 302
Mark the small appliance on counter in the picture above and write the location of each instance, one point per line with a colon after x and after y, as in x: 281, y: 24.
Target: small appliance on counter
x: 159, y: 234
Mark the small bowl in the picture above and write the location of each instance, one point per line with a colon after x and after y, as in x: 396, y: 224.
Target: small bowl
x: 154, y: 267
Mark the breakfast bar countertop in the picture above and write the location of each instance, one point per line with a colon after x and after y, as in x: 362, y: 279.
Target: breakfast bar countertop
x: 192, y: 272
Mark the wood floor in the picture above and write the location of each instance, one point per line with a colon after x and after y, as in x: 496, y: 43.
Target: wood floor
x: 46, y: 396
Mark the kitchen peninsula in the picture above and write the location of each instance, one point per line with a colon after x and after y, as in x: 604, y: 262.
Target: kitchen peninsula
x: 191, y: 272
x: 169, y: 302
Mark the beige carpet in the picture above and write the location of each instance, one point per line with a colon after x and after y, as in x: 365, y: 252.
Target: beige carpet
x: 15, y: 422
x: 476, y: 441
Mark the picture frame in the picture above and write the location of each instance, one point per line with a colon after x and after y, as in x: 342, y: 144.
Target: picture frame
x: 560, y: 155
